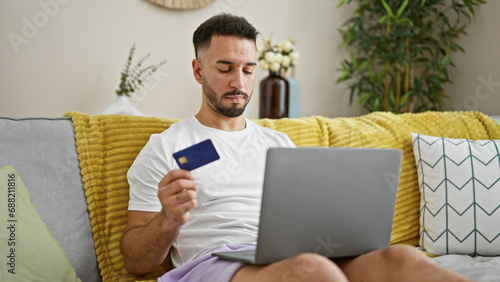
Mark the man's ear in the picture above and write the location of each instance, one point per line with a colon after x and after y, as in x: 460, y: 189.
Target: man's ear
x: 197, y: 70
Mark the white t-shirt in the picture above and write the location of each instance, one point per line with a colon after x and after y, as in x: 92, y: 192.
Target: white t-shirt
x: 229, y: 189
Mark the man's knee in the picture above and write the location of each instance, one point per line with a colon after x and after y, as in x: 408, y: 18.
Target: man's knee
x: 311, y: 267
x: 403, y: 256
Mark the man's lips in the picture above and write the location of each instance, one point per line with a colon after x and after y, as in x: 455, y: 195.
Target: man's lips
x: 236, y: 98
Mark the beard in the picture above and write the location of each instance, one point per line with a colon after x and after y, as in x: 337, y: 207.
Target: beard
x: 217, y: 104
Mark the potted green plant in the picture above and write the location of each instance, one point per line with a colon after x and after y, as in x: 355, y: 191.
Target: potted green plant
x: 400, y: 51
x: 133, y: 78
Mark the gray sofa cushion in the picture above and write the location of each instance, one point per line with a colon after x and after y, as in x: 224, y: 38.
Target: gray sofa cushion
x: 43, y: 152
x: 478, y: 268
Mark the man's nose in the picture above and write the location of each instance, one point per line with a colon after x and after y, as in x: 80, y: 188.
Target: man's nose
x: 237, y: 80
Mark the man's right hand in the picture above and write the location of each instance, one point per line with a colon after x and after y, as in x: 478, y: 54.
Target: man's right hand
x: 149, y: 235
x: 177, y: 194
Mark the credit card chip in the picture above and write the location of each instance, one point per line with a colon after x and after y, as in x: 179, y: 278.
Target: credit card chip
x: 183, y: 160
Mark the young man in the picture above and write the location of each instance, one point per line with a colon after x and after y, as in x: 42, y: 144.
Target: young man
x: 217, y: 206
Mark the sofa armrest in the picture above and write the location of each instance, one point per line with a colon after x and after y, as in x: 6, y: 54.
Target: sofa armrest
x: 43, y: 152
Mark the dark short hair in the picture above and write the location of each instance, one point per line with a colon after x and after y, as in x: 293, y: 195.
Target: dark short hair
x: 222, y: 24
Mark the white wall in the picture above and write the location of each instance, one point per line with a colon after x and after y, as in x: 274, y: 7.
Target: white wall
x: 67, y: 55
x: 476, y: 78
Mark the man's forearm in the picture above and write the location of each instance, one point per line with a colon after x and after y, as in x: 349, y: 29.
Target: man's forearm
x: 144, y: 248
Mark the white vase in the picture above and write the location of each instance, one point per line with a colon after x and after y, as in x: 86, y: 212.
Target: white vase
x: 121, y: 106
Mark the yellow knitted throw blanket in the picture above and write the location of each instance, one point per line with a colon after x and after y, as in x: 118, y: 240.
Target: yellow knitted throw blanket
x: 108, y: 144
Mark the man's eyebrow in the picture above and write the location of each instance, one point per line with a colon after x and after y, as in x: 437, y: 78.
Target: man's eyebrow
x: 231, y: 63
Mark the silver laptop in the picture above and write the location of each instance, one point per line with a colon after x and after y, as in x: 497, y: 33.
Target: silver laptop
x: 337, y: 202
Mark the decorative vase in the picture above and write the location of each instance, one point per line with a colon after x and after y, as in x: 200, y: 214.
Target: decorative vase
x: 294, y: 95
x: 274, y: 96
x: 121, y: 106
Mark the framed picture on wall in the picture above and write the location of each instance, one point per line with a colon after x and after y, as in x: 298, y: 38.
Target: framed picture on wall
x: 182, y: 5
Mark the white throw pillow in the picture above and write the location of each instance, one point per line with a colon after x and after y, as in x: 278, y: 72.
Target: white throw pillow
x: 459, y: 181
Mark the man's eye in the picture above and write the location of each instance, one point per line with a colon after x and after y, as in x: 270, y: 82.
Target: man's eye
x: 224, y: 71
x: 248, y: 71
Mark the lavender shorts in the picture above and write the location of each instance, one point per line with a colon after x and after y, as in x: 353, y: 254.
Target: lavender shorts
x: 207, y: 267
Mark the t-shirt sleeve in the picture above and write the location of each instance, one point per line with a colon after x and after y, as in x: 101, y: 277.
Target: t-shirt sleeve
x: 278, y: 139
x: 148, y: 169
x: 287, y: 142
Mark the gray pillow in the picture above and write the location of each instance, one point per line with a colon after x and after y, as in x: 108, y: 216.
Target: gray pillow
x: 43, y: 151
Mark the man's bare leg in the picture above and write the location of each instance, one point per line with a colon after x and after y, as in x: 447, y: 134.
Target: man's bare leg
x: 397, y: 263
x: 304, y: 267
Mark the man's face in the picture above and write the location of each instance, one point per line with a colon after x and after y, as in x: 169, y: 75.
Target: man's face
x: 227, y: 74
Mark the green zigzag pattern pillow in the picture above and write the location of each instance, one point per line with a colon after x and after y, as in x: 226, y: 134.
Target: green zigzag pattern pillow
x: 459, y: 183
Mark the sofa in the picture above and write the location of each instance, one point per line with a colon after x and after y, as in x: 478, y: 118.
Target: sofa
x: 74, y: 170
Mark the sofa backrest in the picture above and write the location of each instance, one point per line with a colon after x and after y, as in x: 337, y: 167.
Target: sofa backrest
x: 43, y: 152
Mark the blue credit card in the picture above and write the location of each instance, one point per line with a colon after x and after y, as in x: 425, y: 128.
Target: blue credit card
x: 197, y: 155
